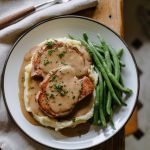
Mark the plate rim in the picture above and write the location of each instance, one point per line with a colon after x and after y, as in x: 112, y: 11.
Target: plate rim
x: 47, y: 20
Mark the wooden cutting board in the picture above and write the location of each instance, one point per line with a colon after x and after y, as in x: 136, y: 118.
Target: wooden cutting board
x: 110, y: 13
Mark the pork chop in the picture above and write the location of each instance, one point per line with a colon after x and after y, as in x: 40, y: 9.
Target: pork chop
x: 56, y: 53
x: 61, y: 90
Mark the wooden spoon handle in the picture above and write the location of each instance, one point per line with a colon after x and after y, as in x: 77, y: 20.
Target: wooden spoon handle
x: 4, y: 22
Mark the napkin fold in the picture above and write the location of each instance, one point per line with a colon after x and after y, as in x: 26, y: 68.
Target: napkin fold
x: 11, y: 138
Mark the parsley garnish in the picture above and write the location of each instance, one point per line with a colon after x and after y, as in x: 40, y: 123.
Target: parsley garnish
x: 45, y: 62
x: 52, y: 96
x: 62, y: 93
x: 49, y: 43
x: 60, y: 89
x: 61, y: 55
x: 50, y: 52
x: 53, y: 78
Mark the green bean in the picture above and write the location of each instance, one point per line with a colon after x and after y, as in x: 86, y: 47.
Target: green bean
x: 119, y: 95
x: 106, y: 70
x: 111, y: 118
x: 120, y: 53
x: 117, y: 72
x: 115, y: 60
x: 108, y: 105
x: 120, y: 62
x: 118, y: 85
x: 101, y: 112
x: 71, y: 37
x: 113, y: 79
x: 101, y: 98
x: 102, y: 70
x: 96, y: 106
x: 109, y: 97
x: 99, y: 49
x: 110, y: 85
x: 104, y: 98
x: 85, y: 37
x: 108, y: 60
x: 111, y: 76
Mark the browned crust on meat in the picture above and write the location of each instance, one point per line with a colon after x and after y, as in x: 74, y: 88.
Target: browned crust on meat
x: 87, y: 87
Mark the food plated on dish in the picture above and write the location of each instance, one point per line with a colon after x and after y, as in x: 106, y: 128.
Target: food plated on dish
x: 96, y: 125
x: 69, y: 81
x: 58, y: 76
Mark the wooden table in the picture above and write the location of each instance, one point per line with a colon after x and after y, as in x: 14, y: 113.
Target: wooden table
x: 110, y: 13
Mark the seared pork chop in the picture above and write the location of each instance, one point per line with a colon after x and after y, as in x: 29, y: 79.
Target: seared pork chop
x: 61, y: 90
x: 56, y: 53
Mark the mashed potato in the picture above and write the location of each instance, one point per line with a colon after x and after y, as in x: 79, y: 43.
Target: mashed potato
x: 51, y: 122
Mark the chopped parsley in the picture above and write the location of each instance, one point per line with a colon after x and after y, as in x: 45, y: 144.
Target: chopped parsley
x: 46, y: 62
x: 53, y: 78
x: 50, y: 52
x: 52, y: 96
x: 63, y: 93
x: 60, y: 90
x: 61, y: 55
x: 49, y: 43
x: 58, y: 87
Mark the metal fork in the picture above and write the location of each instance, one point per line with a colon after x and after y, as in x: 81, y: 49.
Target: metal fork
x: 4, y: 22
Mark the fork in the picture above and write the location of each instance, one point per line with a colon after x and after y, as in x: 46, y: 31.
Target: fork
x: 6, y: 21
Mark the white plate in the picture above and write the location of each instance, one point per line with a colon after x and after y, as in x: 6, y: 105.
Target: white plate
x: 61, y: 27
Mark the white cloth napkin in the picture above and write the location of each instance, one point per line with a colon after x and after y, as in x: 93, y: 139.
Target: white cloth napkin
x: 11, y: 138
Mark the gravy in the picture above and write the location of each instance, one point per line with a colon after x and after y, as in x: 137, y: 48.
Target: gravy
x: 82, y: 107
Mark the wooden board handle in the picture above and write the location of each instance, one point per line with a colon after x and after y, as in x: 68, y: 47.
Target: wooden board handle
x: 4, y: 22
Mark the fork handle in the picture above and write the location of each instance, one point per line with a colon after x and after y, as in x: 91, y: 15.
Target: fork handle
x: 4, y: 22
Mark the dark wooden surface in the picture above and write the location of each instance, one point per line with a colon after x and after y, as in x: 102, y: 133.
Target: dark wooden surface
x: 110, y: 13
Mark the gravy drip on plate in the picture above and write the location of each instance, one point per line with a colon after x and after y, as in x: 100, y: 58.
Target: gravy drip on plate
x: 26, y: 61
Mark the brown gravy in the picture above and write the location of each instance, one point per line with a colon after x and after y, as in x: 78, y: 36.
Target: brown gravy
x: 26, y: 61
x: 82, y: 108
